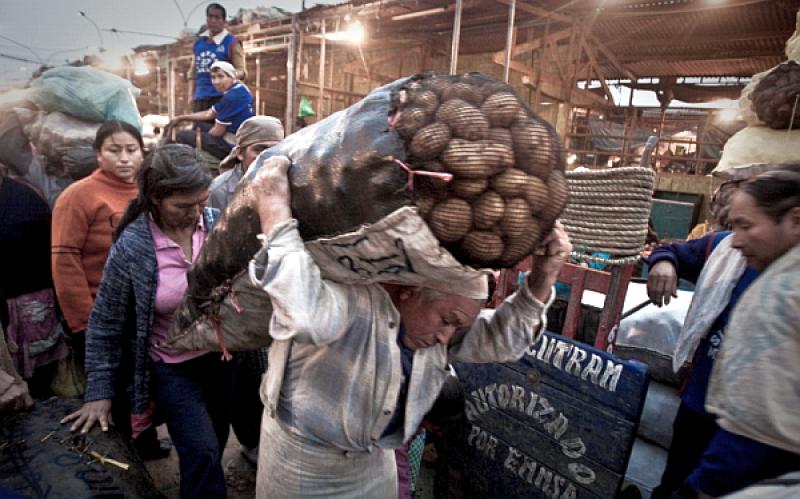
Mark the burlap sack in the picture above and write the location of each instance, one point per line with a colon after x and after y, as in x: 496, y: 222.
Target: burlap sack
x: 426, y: 179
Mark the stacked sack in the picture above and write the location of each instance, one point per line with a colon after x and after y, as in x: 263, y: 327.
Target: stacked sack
x: 770, y: 105
x: 508, y: 174
x: 47, y: 130
x: 422, y: 183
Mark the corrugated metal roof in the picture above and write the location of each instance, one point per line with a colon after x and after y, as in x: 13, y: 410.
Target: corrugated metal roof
x: 649, y: 37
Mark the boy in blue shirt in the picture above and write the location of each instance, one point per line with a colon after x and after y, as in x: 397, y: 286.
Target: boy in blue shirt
x: 235, y: 106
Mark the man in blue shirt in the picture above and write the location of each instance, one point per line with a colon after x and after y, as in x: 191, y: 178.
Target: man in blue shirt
x: 215, y: 44
x: 228, y: 113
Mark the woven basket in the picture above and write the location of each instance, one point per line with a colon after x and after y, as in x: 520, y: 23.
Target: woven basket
x: 608, y: 212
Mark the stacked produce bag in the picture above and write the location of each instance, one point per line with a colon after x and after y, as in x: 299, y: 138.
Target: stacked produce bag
x: 47, y: 130
x: 770, y: 105
x: 421, y: 183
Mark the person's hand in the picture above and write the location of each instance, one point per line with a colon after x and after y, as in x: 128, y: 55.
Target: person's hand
x: 98, y: 411
x: 662, y: 283
x: 547, y: 266
x: 15, y: 396
x: 270, y: 193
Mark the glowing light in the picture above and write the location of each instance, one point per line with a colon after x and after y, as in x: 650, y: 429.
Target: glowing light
x: 571, y: 159
x: 354, y: 34
x: 140, y: 67
x: 728, y: 115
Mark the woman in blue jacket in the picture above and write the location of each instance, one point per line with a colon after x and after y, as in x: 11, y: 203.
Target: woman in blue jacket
x: 143, y: 283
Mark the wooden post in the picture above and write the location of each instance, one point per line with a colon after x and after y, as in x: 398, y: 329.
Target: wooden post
x: 291, y: 85
x: 543, y: 55
x: 158, y: 86
x: 258, y: 83
x: 456, y: 37
x: 321, y: 101
x: 512, y: 10
x: 170, y: 88
x: 331, y: 60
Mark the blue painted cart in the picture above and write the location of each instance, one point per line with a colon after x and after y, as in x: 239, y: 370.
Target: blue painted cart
x: 559, y: 423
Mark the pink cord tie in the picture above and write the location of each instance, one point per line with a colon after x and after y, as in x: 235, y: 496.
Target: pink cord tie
x: 226, y: 355
x: 447, y: 177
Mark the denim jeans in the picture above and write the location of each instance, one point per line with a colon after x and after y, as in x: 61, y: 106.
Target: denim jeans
x: 192, y: 396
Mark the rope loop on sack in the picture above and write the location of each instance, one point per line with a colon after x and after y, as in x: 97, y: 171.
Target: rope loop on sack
x: 447, y: 177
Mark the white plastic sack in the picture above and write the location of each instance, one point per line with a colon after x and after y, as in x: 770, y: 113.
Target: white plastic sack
x: 757, y: 144
x: 660, y: 408
x: 650, y: 336
x: 793, y: 43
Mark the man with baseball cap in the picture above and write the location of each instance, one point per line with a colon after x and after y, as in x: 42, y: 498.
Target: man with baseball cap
x: 254, y: 135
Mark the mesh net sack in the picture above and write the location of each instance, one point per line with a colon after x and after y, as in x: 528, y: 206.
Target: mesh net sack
x: 507, y: 166
x: 776, y: 97
x: 481, y: 175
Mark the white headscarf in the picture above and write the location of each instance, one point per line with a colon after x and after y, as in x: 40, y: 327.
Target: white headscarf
x: 225, y: 67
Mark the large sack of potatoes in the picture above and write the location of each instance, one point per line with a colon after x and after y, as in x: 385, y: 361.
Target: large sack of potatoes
x: 423, y: 182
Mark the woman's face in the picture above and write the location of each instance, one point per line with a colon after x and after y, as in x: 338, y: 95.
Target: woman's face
x: 182, y: 210
x: 121, y: 156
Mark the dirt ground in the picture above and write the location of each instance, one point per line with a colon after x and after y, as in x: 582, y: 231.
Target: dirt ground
x: 241, y: 475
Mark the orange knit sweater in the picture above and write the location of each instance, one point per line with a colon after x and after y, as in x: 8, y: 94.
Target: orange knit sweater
x: 84, y: 219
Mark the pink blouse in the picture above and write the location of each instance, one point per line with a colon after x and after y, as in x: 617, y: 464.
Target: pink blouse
x: 172, y: 284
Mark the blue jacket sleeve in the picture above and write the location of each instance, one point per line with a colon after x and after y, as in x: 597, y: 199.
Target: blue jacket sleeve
x: 688, y: 258
x: 107, y: 323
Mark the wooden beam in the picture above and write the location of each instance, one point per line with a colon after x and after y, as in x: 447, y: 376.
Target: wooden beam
x: 608, y: 54
x: 551, y: 88
x: 391, y: 56
x: 539, y: 11
x: 600, y: 76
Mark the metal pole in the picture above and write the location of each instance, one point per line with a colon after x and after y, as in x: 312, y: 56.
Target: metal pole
x: 290, y: 77
x: 512, y: 10
x: 456, y: 38
x: 321, y: 101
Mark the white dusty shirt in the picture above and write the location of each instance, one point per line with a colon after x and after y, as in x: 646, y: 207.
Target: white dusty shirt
x: 334, y: 367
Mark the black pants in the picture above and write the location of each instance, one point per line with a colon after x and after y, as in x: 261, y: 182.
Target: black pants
x: 691, y: 434
x: 216, y: 146
x: 245, y: 404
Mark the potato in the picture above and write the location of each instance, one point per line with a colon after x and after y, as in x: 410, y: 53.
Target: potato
x: 487, y: 210
x: 516, y: 217
x: 501, y: 109
x: 469, y: 188
x: 451, y: 219
x: 518, y: 247
x: 430, y: 141
x: 510, y: 183
x: 463, y: 91
x: 410, y: 120
x: 482, y: 246
x: 465, y: 120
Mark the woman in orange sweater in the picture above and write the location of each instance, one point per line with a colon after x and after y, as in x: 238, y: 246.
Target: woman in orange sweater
x: 84, y: 218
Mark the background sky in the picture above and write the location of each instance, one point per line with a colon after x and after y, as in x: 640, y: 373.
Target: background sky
x: 53, y: 31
